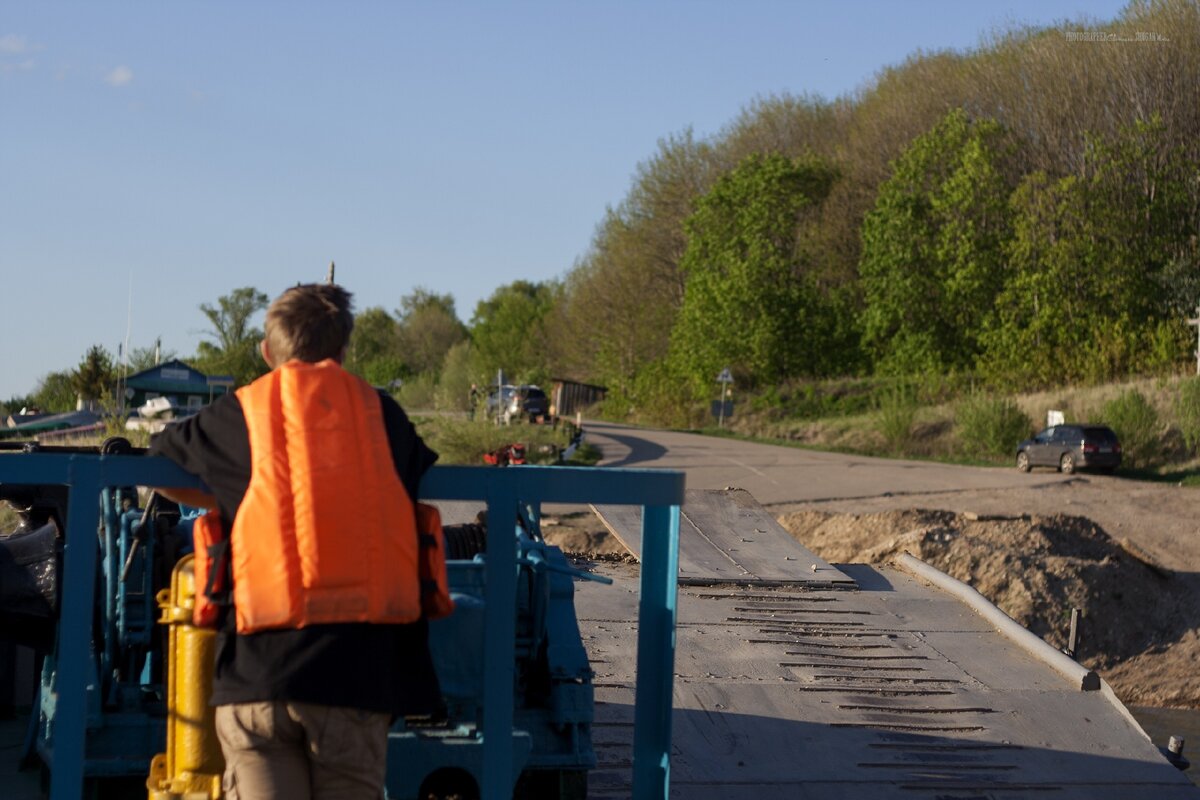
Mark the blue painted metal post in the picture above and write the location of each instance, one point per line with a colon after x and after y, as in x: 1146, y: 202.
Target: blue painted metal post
x: 110, y: 557
x: 499, y: 638
x: 656, y: 653
x: 75, y: 631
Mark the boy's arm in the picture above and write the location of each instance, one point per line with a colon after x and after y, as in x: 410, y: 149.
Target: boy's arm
x: 195, y: 498
x: 411, y: 456
x: 214, y: 446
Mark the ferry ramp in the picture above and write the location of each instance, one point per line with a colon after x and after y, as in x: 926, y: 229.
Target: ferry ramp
x: 795, y: 678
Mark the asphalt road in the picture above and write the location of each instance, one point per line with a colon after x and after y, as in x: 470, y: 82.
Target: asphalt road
x: 779, y: 476
x: 1161, y: 518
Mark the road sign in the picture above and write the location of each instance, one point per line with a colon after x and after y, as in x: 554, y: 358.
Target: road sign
x: 719, y: 407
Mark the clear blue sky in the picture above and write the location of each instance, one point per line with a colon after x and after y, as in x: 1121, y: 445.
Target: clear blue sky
x: 185, y: 149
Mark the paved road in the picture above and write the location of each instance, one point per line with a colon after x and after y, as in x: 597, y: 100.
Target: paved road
x: 779, y: 476
x: 1158, y: 517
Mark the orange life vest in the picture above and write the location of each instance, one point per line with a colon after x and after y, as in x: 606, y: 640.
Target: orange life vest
x: 326, y: 532
x: 210, y: 568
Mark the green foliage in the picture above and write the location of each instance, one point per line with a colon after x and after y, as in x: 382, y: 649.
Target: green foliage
x: 372, y: 352
x: 459, y: 441
x: 9, y: 519
x: 234, y: 346
x: 426, y: 328
x: 842, y: 397
x: 143, y: 358
x: 990, y: 425
x: 508, y: 331
x: 1167, y: 344
x: 750, y: 302
x: 1137, y: 426
x: 620, y: 301
x: 895, y: 413
x: 95, y: 377
x: 383, y: 371
x: 454, y: 388
x: 658, y: 394
x: 230, y: 318
x: 1187, y: 412
x: 1094, y: 265
x: 55, y: 393
x: 585, y: 455
x: 931, y: 261
x: 1025, y: 210
x: 418, y: 392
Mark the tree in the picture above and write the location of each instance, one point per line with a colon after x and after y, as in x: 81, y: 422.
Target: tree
x: 54, y: 393
x: 457, y: 375
x: 143, y: 358
x: 1097, y: 264
x: 751, y: 302
x: 932, y: 259
x: 373, y: 353
x: 620, y: 300
x: 1040, y: 327
x: 234, y: 349
x: 508, y: 330
x: 95, y: 377
x: 427, y: 327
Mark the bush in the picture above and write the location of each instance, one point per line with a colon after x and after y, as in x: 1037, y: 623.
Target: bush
x: 990, y: 425
x: 454, y: 388
x: 895, y: 412
x: 418, y: 393
x: 1187, y: 412
x: 459, y: 441
x: 657, y: 395
x: 1136, y: 423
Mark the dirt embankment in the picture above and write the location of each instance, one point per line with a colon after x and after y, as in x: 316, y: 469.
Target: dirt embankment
x: 583, y: 537
x: 1139, y: 625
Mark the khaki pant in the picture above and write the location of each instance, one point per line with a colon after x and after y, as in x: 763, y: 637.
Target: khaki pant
x: 301, y: 751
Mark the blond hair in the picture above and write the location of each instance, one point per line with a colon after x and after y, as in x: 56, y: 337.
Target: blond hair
x: 310, y: 322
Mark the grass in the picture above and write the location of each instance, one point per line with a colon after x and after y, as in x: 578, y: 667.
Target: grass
x: 8, y: 518
x: 941, y: 427
x: 461, y: 441
x: 586, y: 455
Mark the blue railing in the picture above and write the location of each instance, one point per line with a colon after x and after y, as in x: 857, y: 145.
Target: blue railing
x: 659, y: 492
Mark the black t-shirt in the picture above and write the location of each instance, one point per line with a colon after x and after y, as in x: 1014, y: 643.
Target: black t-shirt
x: 357, y: 665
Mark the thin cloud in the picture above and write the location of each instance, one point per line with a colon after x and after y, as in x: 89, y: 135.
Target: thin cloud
x: 12, y: 44
x: 120, y: 76
x: 23, y: 66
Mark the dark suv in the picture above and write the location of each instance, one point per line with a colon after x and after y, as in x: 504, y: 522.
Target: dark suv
x: 1071, y: 447
x: 528, y: 401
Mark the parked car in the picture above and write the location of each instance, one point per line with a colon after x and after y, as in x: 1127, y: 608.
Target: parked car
x: 525, y: 401
x: 499, y: 399
x: 1071, y: 447
x: 529, y: 402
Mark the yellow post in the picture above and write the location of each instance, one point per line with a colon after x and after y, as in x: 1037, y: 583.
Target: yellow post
x: 191, y: 767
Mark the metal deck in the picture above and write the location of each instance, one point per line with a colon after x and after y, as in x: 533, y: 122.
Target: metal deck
x: 832, y: 683
x: 727, y: 537
x: 874, y: 685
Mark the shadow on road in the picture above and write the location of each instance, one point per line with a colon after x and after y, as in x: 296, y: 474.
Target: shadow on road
x: 639, y: 450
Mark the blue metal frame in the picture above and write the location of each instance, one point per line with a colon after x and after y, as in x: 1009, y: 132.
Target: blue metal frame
x: 659, y: 492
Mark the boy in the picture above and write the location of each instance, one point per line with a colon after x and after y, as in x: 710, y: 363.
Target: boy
x: 314, y: 475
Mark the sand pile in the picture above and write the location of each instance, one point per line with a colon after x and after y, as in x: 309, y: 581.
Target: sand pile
x: 1140, y: 621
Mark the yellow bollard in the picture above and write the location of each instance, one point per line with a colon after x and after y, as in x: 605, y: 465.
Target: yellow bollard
x: 191, y: 767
